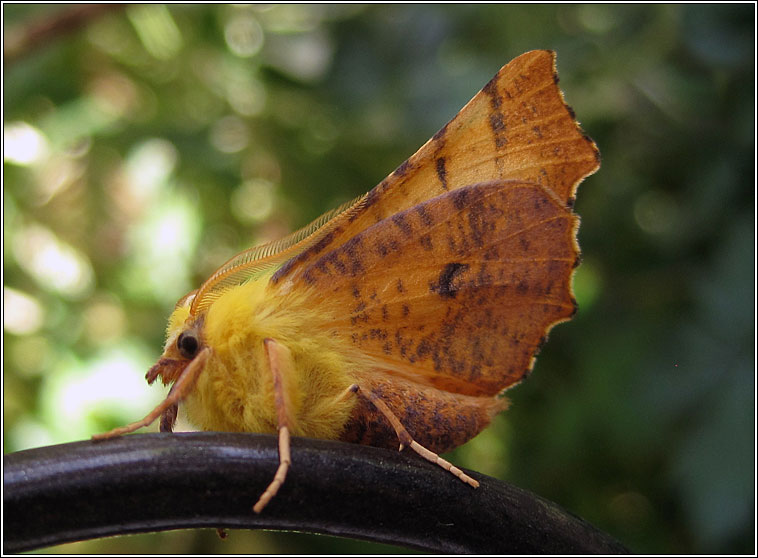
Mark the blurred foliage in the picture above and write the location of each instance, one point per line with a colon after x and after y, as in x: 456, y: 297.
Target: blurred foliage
x: 144, y: 148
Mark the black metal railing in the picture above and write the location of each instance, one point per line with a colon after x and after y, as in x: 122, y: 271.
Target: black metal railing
x: 153, y: 482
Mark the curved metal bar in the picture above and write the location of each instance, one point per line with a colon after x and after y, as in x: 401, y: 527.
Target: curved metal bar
x: 154, y: 482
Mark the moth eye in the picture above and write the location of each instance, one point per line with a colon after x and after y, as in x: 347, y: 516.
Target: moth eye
x: 187, y: 344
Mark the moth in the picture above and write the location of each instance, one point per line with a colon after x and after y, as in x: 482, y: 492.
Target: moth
x: 403, y: 316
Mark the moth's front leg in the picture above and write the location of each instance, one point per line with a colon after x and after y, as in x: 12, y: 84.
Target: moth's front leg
x: 280, y: 363
x: 181, y: 388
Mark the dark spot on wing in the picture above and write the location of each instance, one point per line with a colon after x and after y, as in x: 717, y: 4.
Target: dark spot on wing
x: 445, y: 285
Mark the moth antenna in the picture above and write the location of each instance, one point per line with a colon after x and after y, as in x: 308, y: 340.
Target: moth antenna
x: 179, y: 391
x: 255, y: 261
x: 277, y: 355
x: 406, y: 440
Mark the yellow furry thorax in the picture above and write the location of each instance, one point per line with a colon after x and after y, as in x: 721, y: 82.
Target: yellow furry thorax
x: 235, y: 390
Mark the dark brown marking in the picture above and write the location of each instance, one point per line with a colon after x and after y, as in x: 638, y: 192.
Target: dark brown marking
x: 444, y: 285
x: 319, y: 246
x: 440, y: 134
x: 378, y: 333
x: 540, y: 344
x: 594, y: 147
x: 426, y: 243
x: 423, y: 349
x: 460, y: 198
x: 399, y: 286
x: 371, y: 198
x: 525, y: 244
x: 424, y: 215
x: 441, y: 172
x: 353, y: 249
x: 399, y: 220
x: 308, y: 277
x: 403, y: 169
x: 336, y: 262
x: 491, y: 90
x: 498, y: 129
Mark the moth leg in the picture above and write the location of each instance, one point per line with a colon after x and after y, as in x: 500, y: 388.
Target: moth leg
x: 278, y: 358
x: 407, y: 441
x: 179, y: 391
x: 168, y: 418
x: 347, y: 393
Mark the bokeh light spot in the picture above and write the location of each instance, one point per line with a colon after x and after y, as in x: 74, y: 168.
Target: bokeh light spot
x: 55, y: 265
x: 23, y: 144
x: 244, y: 35
x: 229, y: 134
x: 656, y: 212
x: 253, y: 201
x: 22, y: 314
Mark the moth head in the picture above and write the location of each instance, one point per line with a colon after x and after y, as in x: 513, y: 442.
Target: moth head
x: 184, y: 340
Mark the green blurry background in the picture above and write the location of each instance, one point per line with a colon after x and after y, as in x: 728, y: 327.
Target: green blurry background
x: 148, y: 146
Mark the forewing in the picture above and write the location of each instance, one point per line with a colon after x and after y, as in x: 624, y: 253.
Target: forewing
x: 516, y: 128
x: 458, y: 291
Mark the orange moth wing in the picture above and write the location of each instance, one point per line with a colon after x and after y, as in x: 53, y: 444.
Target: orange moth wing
x: 518, y: 127
x: 456, y: 265
x: 456, y: 292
